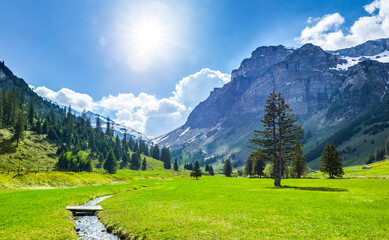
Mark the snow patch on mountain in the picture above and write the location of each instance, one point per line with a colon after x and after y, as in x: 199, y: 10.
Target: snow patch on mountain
x: 351, y: 61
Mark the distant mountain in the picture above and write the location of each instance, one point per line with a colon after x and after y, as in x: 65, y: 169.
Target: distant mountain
x: 118, y: 128
x: 326, y: 90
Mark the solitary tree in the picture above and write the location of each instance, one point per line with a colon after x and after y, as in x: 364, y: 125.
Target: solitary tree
x: 196, y: 171
x: 298, y: 160
x: 331, y: 162
x: 248, y: 170
x: 211, y: 171
x: 19, y: 127
x: 135, y: 163
x: 31, y: 113
x: 144, y: 164
x: 110, y: 163
x: 227, y: 170
x: 279, y: 134
x: 387, y: 146
x: 165, y: 158
x: 176, y: 165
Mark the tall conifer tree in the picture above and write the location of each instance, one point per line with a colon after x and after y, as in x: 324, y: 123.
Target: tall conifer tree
x: 331, y: 162
x: 280, y: 133
x: 110, y: 163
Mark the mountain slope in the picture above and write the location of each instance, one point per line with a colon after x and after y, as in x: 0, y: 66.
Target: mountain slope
x: 325, y: 90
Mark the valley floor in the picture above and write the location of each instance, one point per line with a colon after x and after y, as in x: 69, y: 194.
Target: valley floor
x: 210, y: 208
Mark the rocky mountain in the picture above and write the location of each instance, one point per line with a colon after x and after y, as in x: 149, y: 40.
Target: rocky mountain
x: 325, y: 89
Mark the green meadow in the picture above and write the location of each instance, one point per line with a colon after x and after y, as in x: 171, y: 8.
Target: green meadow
x: 162, y: 205
x: 241, y: 208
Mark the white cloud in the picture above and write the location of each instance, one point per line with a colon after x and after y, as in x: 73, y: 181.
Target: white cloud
x: 145, y: 113
x: 328, y: 34
x: 66, y: 97
x: 193, y: 89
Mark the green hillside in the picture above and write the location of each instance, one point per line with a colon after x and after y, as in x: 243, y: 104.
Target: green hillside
x: 35, y: 152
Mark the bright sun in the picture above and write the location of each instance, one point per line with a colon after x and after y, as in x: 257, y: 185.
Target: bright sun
x: 149, y: 37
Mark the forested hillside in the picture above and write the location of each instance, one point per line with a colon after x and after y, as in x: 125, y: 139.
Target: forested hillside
x: 36, y: 133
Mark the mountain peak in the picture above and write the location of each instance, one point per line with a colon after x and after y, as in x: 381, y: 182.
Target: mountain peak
x: 261, y: 59
x: 311, y: 57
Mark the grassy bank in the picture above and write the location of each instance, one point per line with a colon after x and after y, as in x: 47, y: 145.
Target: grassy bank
x: 41, y: 214
x: 53, y: 179
x: 241, y: 208
x: 378, y: 170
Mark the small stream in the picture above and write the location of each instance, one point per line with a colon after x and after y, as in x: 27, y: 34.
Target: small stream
x: 89, y: 227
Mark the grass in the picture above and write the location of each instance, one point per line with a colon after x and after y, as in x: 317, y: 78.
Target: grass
x: 41, y: 214
x: 55, y: 179
x: 241, y: 208
x: 377, y: 170
x: 34, y: 152
x: 175, y: 206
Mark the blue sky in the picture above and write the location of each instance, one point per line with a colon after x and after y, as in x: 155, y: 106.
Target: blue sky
x: 92, y: 48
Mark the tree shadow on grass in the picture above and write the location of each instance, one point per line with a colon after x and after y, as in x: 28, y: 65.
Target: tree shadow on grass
x: 7, y: 146
x: 320, y: 189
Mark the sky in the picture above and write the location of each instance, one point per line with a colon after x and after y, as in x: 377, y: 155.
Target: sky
x: 147, y: 64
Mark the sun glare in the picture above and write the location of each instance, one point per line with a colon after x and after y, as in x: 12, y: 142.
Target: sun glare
x: 149, y: 37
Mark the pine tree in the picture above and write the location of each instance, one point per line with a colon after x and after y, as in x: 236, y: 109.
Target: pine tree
x: 206, y: 168
x: 331, y: 162
x: 248, y: 170
x: 280, y: 133
x: 387, y: 146
x: 165, y: 158
x: 110, y: 163
x: 1, y: 111
x: 371, y: 159
x: 227, y: 170
x: 31, y: 113
x: 176, y: 165
x: 196, y: 170
x: 144, y: 164
x: 135, y: 163
x: 125, y: 161
x: 211, y: 171
x: 98, y: 124
x: 155, y: 153
x: 108, y: 130
x: 38, y: 127
x: 19, y: 127
x: 62, y: 163
x: 89, y: 166
x: 298, y: 160
x: 259, y: 167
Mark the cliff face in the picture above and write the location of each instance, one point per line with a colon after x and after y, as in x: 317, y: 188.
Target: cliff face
x: 311, y: 82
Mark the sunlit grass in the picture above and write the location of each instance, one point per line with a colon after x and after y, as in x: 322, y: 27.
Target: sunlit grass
x: 241, y: 208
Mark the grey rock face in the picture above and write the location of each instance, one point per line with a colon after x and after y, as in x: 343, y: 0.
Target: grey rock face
x: 369, y: 48
x: 261, y: 59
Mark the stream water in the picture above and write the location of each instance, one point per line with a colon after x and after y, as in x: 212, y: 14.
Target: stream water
x: 90, y: 228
